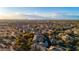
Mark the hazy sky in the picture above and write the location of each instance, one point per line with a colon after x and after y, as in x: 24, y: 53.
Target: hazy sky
x: 49, y: 12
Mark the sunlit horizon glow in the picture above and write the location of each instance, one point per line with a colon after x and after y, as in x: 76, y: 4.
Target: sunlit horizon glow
x: 39, y: 13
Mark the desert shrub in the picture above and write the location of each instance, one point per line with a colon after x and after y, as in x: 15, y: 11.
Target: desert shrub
x: 24, y: 41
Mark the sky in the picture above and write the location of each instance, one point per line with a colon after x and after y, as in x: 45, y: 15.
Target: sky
x: 39, y: 13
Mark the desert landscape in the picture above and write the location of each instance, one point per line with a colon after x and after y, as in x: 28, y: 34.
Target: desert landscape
x: 39, y: 35
x: 39, y: 29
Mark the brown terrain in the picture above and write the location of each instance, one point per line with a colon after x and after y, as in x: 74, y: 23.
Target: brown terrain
x: 39, y: 35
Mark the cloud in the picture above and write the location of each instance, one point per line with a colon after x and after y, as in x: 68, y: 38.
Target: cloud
x: 12, y: 16
x: 40, y: 16
x: 27, y: 16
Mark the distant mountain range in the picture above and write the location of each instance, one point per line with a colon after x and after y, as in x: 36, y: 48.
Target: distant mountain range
x: 23, y: 16
x: 37, y: 17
